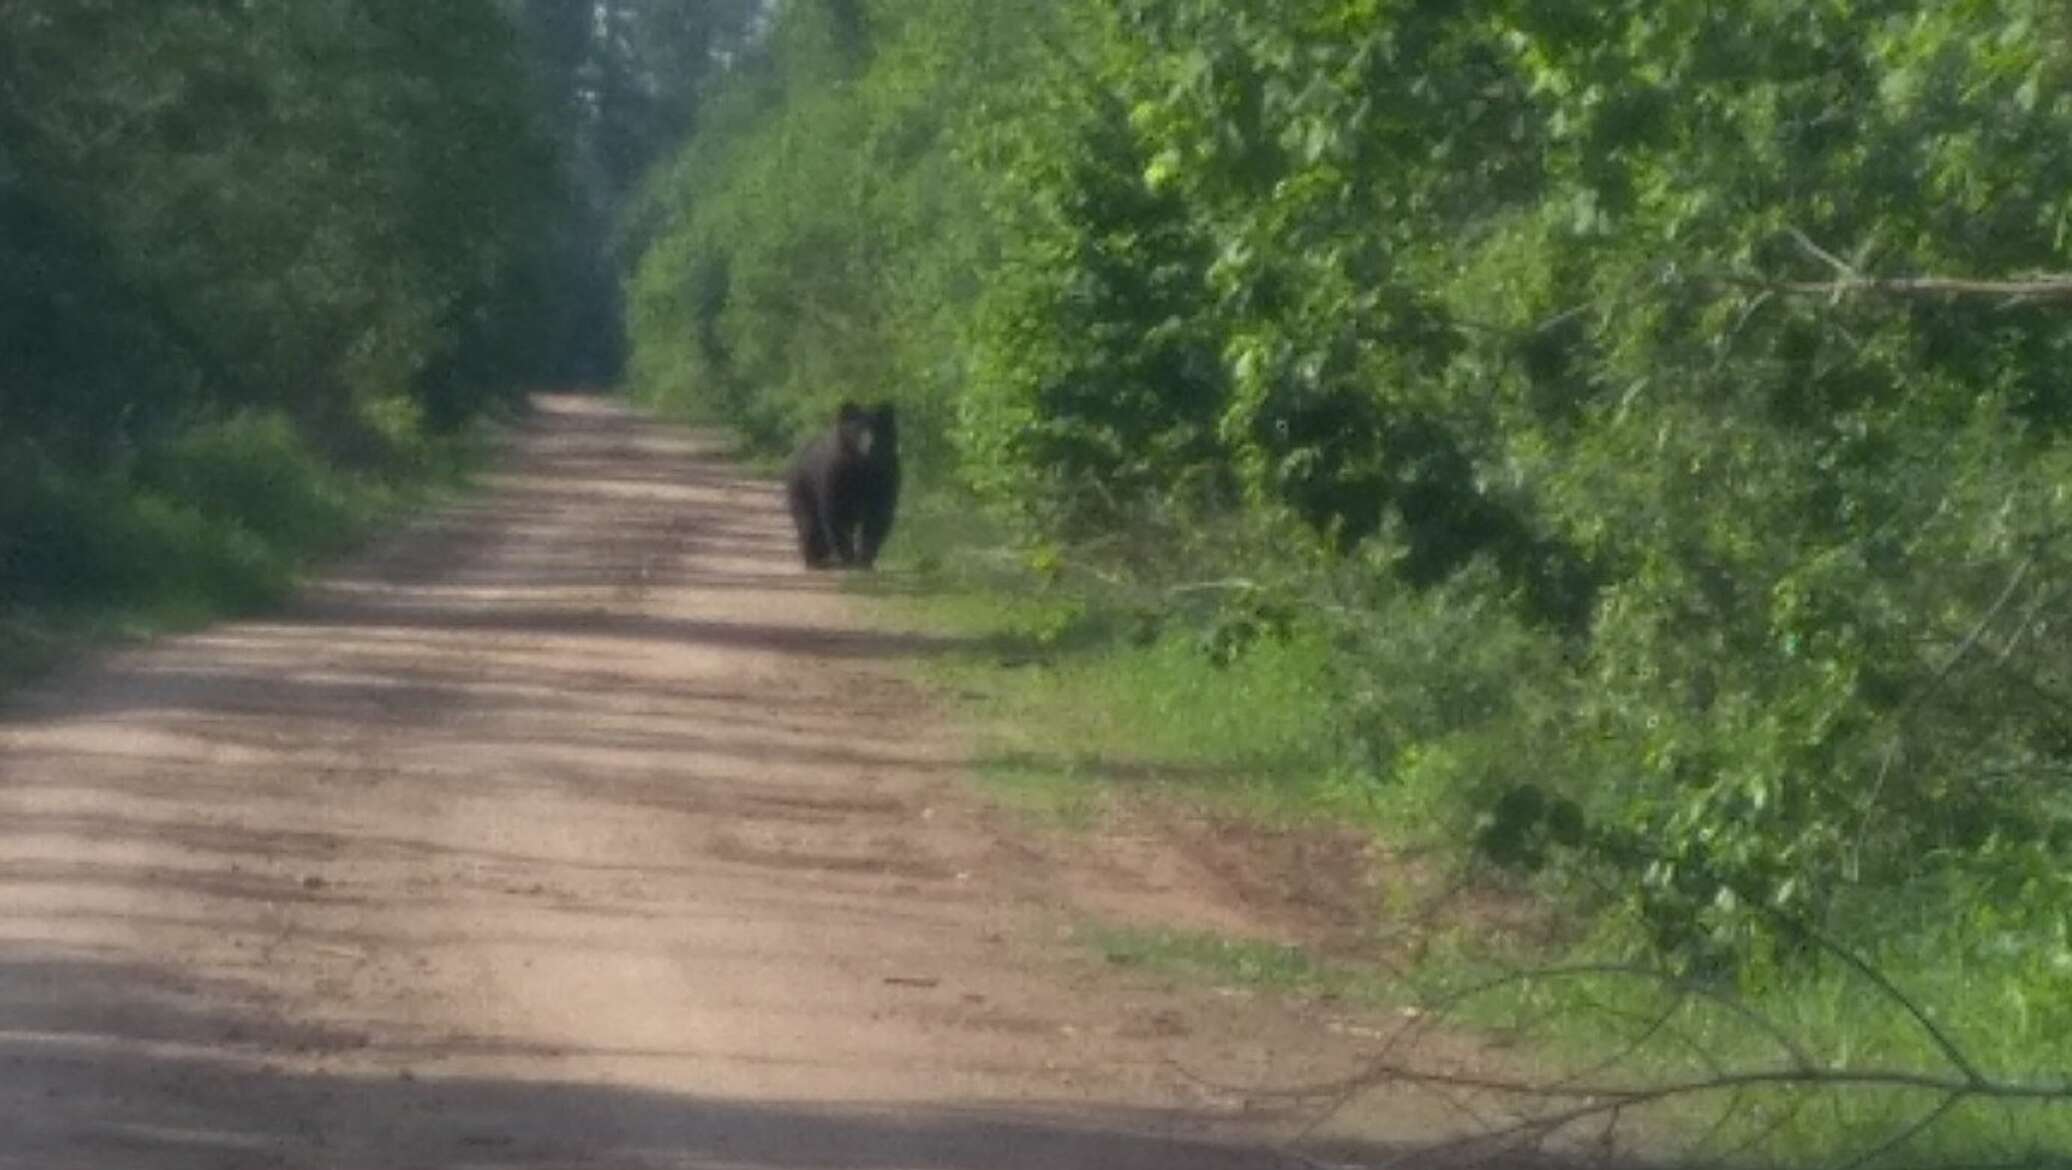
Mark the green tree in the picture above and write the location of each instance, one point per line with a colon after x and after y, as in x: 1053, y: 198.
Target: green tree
x: 1602, y: 324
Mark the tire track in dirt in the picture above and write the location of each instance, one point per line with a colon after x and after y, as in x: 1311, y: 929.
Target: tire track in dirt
x: 573, y: 827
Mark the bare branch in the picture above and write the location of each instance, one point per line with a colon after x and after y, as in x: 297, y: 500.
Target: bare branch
x: 1905, y: 1135
x: 1836, y: 262
x: 1601, y: 1097
x: 1851, y: 280
x: 2048, y: 287
x: 1575, y: 1099
x: 1855, y: 962
x: 1231, y: 585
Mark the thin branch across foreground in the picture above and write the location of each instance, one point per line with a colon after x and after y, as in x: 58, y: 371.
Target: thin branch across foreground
x: 1507, y: 1113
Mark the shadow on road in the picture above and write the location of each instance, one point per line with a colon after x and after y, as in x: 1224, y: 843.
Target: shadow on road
x: 152, y: 1078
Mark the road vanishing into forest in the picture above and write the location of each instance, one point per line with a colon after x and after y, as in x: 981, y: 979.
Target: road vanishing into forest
x: 576, y: 826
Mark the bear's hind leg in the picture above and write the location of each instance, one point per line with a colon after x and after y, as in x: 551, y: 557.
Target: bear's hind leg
x: 877, y: 524
x: 841, y: 536
x: 813, y: 547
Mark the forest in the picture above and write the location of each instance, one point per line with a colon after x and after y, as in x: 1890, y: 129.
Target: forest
x: 266, y: 262
x: 1635, y: 438
x: 1643, y: 428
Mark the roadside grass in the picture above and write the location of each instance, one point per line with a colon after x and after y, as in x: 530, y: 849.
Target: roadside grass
x: 1587, y: 1018
x: 1246, y: 963
x: 1076, y: 701
x: 1075, y: 705
x: 219, y: 520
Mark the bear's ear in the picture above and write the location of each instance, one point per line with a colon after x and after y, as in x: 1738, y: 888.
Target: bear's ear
x: 849, y: 412
x: 884, y: 414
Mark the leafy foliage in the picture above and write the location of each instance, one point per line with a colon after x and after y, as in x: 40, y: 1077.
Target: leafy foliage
x: 1692, y: 562
x: 313, y: 207
x: 820, y: 238
x: 252, y: 246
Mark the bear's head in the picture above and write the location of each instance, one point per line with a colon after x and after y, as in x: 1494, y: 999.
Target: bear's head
x: 869, y: 433
x: 853, y: 429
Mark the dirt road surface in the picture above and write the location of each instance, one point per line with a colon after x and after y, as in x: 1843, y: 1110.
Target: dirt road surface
x: 572, y: 827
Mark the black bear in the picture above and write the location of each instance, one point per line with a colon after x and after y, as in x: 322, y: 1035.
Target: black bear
x: 843, y: 486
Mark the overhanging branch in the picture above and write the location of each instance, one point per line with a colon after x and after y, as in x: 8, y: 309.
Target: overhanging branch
x: 2037, y: 288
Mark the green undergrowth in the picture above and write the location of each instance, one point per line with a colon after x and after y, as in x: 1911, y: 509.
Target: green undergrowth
x: 1573, y: 1021
x: 1077, y: 700
x: 1077, y: 703
x: 219, y: 520
x: 1585, y: 1017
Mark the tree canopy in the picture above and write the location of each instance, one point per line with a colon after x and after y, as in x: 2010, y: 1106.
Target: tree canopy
x: 1701, y: 369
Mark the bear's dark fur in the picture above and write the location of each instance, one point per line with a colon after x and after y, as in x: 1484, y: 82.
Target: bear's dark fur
x: 843, y: 486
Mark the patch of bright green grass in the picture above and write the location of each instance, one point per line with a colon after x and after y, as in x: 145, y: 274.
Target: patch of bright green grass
x: 1634, y: 1029
x: 1075, y: 698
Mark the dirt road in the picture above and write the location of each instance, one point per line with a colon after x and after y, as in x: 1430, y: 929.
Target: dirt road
x: 574, y: 827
